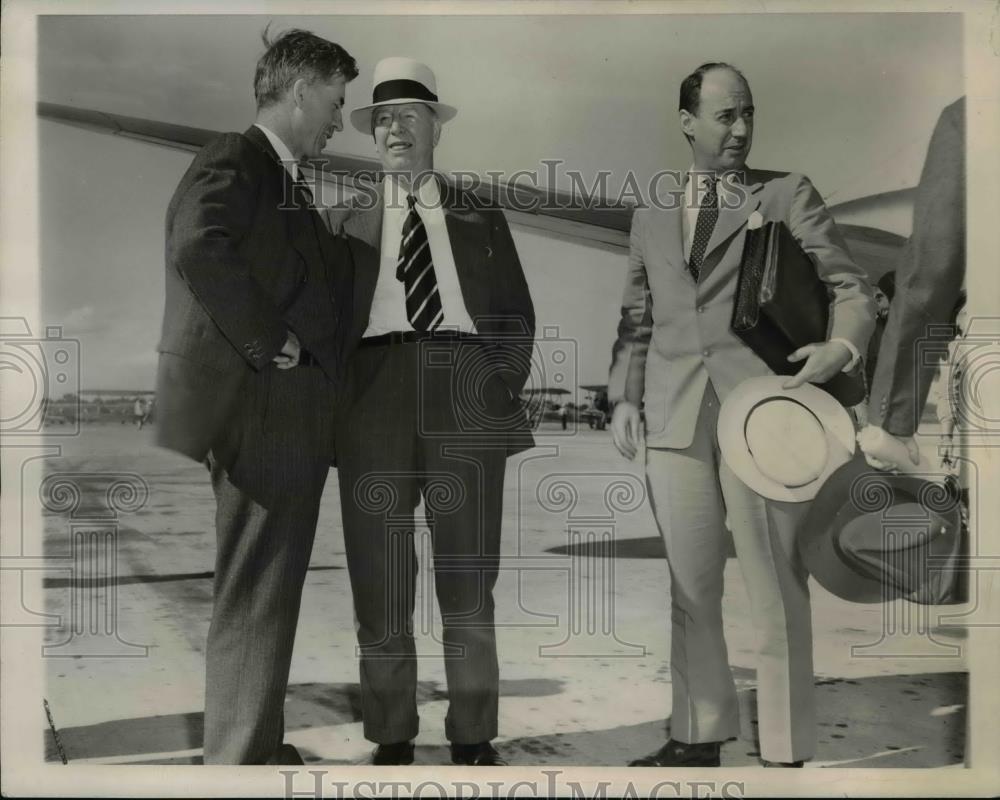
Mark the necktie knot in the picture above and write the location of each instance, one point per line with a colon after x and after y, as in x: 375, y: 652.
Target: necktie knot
x: 415, y: 270
x: 711, y: 192
x: 708, y: 213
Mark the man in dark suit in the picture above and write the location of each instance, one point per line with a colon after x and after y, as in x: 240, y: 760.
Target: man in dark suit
x: 928, y: 288
x: 257, y: 303
x: 443, y: 328
x: 677, y: 354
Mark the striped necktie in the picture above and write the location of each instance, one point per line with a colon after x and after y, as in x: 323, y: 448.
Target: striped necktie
x: 708, y: 214
x: 415, y: 270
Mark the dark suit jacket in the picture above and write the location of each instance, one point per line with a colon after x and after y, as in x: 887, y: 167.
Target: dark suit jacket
x: 489, y: 272
x: 928, y: 281
x: 244, y: 264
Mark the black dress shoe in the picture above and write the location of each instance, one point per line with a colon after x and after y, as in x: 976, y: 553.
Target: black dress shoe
x: 792, y: 764
x: 682, y: 754
x: 397, y: 753
x: 286, y: 754
x: 483, y: 754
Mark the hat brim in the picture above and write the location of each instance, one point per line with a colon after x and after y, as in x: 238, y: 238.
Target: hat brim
x: 836, y: 507
x: 361, y: 118
x: 836, y: 422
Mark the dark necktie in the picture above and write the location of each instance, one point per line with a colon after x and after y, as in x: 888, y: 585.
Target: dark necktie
x: 303, y: 194
x: 708, y: 213
x: 415, y: 270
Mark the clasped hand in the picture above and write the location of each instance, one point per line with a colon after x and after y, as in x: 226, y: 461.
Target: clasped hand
x: 290, y: 351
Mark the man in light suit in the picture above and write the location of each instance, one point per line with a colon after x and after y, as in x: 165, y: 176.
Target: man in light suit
x: 675, y: 352
x: 257, y: 306
x: 443, y: 330
x: 929, y: 282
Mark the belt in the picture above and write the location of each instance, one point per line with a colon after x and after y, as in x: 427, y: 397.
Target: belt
x: 409, y: 337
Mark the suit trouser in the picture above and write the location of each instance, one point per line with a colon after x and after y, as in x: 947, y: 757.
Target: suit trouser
x: 692, y: 492
x: 267, y: 506
x: 398, y: 441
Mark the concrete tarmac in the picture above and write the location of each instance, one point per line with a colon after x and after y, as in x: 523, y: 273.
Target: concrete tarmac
x: 582, y: 612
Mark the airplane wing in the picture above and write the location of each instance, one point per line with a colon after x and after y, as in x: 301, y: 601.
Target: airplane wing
x: 556, y: 213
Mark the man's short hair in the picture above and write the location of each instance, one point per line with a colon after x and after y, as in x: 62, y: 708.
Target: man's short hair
x: 298, y: 54
x: 691, y: 86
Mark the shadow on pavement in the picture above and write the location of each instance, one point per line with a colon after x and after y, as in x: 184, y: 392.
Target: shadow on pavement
x: 882, y: 721
x: 307, y: 705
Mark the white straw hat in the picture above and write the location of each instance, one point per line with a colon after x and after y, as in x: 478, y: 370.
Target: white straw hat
x: 401, y: 80
x: 783, y: 443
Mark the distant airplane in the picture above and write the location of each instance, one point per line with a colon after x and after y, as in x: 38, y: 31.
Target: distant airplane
x: 557, y: 213
x: 597, y: 398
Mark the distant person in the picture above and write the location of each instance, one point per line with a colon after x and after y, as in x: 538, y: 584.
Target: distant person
x: 250, y: 360
x: 676, y: 351
x: 139, y: 412
x: 150, y: 415
x: 441, y: 348
x: 563, y: 414
x: 929, y: 280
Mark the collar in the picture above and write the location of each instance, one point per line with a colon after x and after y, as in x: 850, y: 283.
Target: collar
x: 288, y: 161
x: 733, y: 176
x: 428, y: 193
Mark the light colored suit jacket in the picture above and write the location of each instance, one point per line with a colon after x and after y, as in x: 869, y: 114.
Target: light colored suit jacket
x: 674, y: 334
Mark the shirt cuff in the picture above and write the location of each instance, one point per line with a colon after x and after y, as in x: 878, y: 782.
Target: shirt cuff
x: 855, y: 355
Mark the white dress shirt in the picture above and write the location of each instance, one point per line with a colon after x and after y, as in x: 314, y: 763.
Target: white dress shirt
x: 388, y: 312
x: 694, y: 190
x: 287, y: 159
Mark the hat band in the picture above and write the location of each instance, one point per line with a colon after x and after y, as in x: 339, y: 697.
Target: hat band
x: 400, y: 89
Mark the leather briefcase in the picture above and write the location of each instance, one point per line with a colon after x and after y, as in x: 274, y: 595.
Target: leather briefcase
x: 782, y: 304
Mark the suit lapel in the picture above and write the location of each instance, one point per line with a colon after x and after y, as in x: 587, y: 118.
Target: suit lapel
x: 733, y: 215
x: 468, y: 248
x: 303, y: 232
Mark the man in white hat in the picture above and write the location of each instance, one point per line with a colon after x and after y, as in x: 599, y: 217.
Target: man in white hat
x: 676, y: 353
x: 443, y: 339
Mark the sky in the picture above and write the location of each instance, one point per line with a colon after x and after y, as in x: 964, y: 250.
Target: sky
x: 848, y: 99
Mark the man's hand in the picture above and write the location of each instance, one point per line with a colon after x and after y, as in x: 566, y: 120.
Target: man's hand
x: 884, y: 451
x: 824, y: 360
x: 289, y: 355
x: 626, y: 429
